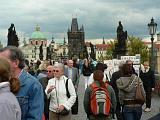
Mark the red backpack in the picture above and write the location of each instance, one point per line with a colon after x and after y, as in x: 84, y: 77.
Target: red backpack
x: 100, y: 103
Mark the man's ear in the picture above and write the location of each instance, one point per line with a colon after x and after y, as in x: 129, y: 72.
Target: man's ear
x: 16, y: 63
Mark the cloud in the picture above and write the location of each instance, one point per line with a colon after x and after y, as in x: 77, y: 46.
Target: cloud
x: 99, y: 17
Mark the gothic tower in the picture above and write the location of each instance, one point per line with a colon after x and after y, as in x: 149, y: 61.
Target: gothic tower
x: 76, y: 41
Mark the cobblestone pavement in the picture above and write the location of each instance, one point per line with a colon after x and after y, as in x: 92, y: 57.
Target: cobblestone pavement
x: 145, y: 116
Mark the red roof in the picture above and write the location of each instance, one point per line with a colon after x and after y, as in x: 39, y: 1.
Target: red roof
x: 157, y: 45
x: 102, y: 46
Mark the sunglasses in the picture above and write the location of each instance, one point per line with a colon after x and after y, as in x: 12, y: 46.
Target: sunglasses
x: 55, y: 70
x: 49, y: 71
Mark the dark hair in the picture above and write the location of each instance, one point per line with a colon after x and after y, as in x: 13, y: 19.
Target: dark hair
x: 101, y: 66
x: 126, y: 70
x: 5, y: 75
x: 15, y: 54
x: 98, y: 76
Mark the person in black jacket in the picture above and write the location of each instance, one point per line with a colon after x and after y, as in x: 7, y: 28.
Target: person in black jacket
x: 148, y: 78
x: 87, y: 70
x: 115, y: 76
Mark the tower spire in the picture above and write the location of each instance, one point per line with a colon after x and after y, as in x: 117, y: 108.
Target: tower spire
x: 103, y: 41
x: 74, y: 25
x: 64, y: 42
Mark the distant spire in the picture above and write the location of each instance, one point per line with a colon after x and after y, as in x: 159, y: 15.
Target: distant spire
x: 103, y: 41
x: 64, y: 41
x: 52, y: 40
x: 37, y: 27
x: 74, y: 25
x: 82, y: 28
x: 24, y: 41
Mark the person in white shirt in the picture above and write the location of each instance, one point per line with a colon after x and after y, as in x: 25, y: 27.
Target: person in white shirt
x: 99, y: 66
x: 56, y: 91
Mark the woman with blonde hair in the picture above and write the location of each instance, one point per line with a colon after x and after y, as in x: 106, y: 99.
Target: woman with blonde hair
x: 9, y: 106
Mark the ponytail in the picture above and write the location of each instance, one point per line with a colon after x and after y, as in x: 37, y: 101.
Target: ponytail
x: 14, y: 85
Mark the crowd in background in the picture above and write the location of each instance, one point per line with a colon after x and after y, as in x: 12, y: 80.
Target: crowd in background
x: 49, y: 89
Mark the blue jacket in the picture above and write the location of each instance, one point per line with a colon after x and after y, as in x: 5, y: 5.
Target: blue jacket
x: 30, y: 97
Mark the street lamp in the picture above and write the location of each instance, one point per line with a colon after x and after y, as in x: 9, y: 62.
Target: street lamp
x: 152, y: 26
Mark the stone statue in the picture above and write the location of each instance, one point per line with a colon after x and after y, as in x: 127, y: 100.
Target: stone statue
x: 41, y: 52
x: 49, y: 52
x: 121, y: 36
x: 92, y: 55
x: 120, y: 46
x: 12, y: 37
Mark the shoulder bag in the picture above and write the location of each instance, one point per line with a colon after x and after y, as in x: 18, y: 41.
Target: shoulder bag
x: 139, y: 95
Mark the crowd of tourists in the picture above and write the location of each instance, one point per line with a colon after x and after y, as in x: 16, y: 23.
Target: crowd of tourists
x: 45, y: 90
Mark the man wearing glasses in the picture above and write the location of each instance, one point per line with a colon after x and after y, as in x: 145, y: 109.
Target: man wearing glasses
x: 44, y: 82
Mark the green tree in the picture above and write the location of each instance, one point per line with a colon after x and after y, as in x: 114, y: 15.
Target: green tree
x: 109, y: 51
x: 137, y: 46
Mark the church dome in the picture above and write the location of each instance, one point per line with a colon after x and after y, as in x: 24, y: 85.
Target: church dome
x: 37, y: 34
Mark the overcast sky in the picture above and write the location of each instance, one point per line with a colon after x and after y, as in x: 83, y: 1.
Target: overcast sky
x: 99, y: 17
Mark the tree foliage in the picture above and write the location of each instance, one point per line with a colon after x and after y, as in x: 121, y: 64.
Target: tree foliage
x: 110, y: 49
x: 137, y: 46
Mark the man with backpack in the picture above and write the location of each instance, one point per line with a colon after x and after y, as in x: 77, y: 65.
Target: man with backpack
x: 99, y: 99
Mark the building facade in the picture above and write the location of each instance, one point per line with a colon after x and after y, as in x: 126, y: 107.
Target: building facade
x: 157, y: 44
x: 32, y: 50
x: 59, y: 50
x: 76, y: 40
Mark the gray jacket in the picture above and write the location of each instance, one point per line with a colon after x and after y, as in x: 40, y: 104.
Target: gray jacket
x: 127, y: 87
x: 9, y: 106
x: 75, y: 76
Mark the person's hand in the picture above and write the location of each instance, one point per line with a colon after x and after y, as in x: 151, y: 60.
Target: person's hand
x: 60, y: 108
x: 51, y: 88
x: 152, y: 89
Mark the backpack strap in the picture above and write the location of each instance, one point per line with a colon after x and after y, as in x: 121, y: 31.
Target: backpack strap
x: 67, y: 91
x: 93, y: 86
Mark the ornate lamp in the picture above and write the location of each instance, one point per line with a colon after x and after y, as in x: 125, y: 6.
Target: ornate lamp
x: 152, y: 27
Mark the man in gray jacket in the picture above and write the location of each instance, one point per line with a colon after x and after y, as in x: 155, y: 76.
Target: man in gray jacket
x: 72, y: 73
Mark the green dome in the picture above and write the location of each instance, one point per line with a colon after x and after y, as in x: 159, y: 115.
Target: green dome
x: 37, y: 34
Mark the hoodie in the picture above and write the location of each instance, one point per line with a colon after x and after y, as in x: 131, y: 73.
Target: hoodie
x: 127, y: 87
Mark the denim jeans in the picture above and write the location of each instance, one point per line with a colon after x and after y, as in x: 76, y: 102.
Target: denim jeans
x: 132, y: 113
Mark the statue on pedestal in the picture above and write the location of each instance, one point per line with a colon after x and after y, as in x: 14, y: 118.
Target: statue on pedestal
x: 121, y: 37
x: 12, y: 37
x: 41, y: 52
x: 92, y: 55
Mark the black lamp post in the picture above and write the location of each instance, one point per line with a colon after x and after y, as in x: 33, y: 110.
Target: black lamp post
x: 152, y: 26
